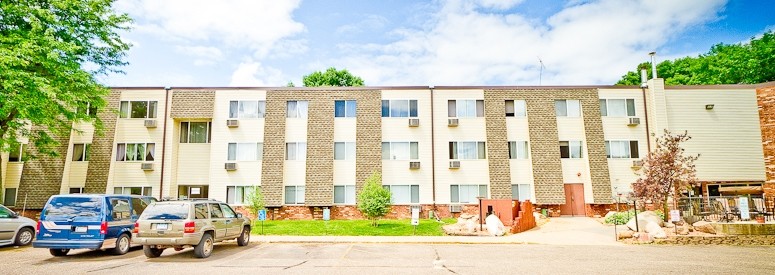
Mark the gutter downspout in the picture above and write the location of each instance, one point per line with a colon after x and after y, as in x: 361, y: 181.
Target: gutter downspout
x: 433, y: 154
x: 164, y: 140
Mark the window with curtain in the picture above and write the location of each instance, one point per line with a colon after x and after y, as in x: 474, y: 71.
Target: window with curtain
x: 344, y: 150
x: 617, y: 107
x: 247, y: 109
x: 195, y: 132
x: 296, y: 151
x: 399, y: 108
x: 521, y: 192
x: 621, y: 149
x: 570, y: 149
x: 250, y: 151
x: 467, y: 193
x: 400, y: 151
x: 135, y: 152
x: 518, y: 150
x: 238, y: 194
x: 144, y: 190
x: 465, y: 108
x: 137, y: 109
x: 404, y: 194
x: 81, y: 152
x: 516, y: 108
x: 344, y: 194
x: 294, y: 194
x: 467, y: 150
x: 297, y: 109
x: 567, y: 108
x: 344, y: 108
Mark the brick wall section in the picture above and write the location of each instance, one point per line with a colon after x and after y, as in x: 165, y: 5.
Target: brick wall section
x: 42, y: 177
x: 102, y: 147
x: 319, y: 190
x: 497, y: 151
x: 192, y: 104
x: 274, y: 147
x: 368, y: 136
x: 766, y: 101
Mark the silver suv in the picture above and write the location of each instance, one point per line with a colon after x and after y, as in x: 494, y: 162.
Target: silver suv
x: 197, y: 223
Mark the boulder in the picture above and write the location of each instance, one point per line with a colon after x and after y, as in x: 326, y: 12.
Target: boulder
x: 494, y: 226
x: 641, y: 225
x: 656, y: 231
x: 683, y: 230
x: 470, y: 226
x: 651, y: 216
x: 669, y: 225
x: 627, y: 234
x: 703, y: 226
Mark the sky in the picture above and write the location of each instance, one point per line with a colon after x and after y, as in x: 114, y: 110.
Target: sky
x: 269, y: 43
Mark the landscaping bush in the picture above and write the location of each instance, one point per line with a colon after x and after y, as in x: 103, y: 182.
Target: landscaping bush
x: 620, y: 218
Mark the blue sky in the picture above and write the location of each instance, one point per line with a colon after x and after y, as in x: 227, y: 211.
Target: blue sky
x: 401, y: 42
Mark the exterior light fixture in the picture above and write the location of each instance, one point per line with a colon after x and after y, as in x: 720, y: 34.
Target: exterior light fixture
x: 709, y: 106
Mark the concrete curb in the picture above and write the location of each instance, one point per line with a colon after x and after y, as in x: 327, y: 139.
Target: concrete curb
x: 385, y: 239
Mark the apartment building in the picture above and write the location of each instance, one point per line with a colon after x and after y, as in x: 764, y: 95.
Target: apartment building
x: 571, y: 149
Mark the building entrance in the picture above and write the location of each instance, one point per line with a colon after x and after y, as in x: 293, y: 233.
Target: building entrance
x: 574, y: 200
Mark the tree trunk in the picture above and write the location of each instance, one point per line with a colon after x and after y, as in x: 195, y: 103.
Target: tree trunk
x: 665, y: 210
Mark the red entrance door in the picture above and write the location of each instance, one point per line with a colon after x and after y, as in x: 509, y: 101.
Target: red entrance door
x: 574, y: 201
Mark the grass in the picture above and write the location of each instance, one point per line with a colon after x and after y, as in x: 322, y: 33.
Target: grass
x: 350, y: 228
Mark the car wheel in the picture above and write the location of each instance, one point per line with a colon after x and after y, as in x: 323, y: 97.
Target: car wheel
x: 244, y: 238
x: 122, y: 245
x: 205, y: 246
x: 24, y: 237
x: 58, y: 252
x: 152, y: 252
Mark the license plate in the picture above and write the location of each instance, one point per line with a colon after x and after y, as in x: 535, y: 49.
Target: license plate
x: 161, y: 226
x: 80, y: 229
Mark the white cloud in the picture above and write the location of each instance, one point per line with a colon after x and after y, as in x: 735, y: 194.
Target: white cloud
x: 251, y: 73
x: 371, y: 22
x: 499, y: 4
x: 589, y: 42
x: 203, y: 55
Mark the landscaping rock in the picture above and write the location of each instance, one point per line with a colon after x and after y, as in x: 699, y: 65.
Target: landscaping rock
x: 651, y: 216
x: 641, y: 225
x: 494, y: 226
x: 470, y: 226
x: 656, y: 231
x: 703, y: 226
x: 683, y: 230
x: 627, y: 234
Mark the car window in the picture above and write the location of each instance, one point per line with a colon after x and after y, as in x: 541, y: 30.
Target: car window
x: 121, y: 210
x: 4, y: 212
x: 200, y: 211
x: 166, y: 211
x: 215, y: 211
x: 227, y: 212
x: 138, y: 206
x: 77, y: 208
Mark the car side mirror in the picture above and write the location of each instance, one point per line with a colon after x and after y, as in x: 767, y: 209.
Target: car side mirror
x: 239, y: 215
x: 13, y: 215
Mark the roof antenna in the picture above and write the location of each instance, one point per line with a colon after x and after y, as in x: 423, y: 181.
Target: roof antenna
x: 541, y: 71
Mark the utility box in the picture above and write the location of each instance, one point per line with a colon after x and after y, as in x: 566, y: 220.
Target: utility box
x: 505, y: 209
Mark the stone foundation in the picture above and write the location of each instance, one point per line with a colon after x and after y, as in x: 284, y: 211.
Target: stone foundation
x: 719, y: 240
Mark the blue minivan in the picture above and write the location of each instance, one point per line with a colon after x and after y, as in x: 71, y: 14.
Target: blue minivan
x: 89, y: 221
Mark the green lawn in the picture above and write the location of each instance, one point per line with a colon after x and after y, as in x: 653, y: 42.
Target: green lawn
x: 350, y: 228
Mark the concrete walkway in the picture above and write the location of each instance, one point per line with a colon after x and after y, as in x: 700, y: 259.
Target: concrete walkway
x: 558, y: 231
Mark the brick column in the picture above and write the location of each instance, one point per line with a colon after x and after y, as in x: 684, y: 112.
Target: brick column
x: 102, y: 146
x: 42, y: 177
x: 497, y: 139
x: 766, y: 100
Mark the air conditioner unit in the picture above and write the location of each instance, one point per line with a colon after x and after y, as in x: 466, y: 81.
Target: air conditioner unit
x: 634, y: 121
x: 230, y: 166
x: 414, y: 165
x: 147, y: 166
x: 414, y: 122
x: 232, y: 123
x: 455, y: 208
x: 455, y: 164
x: 637, y: 163
x: 452, y: 122
x: 150, y: 123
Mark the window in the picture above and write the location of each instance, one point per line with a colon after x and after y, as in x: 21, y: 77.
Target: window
x: 404, y: 194
x: 344, y: 150
x: 344, y: 194
x: 294, y: 195
x: 399, y: 108
x: 81, y: 152
x: 215, y: 211
x: 138, y: 109
x: 567, y: 108
x: 467, y: 150
x: 344, y: 108
x: 145, y: 191
x: 200, y: 211
x: 621, y: 149
x: 518, y: 150
x: 138, y: 206
x: 296, y: 151
x: 245, y: 151
x: 297, y: 109
x: 76, y: 190
x: 135, y: 152
x: 227, y: 211
x: 120, y: 208
x: 17, y: 153
x: 195, y: 132
x: 467, y: 193
x: 520, y: 192
x: 570, y: 149
x: 9, y: 197
x: 247, y: 109
x: 465, y: 108
x: 238, y: 194
x: 516, y: 108
x: 86, y: 109
x: 617, y: 107
x: 400, y: 150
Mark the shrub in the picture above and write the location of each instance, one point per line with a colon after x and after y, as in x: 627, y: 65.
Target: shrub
x: 255, y: 200
x: 620, y: 218
x: 374, y: 200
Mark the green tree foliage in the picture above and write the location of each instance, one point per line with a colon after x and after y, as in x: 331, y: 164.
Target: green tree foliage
x: 50, y: 55
x: 255, y: 200
x: 374, y: 200
x: 748, y: 63
x: 332, y: 77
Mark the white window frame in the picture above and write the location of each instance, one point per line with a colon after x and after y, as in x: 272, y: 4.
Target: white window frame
x: 347, y: 105
x: 567, y: 107
x: 145, y: 151
x: 240, y: 191
x: 20, y: 158
x: 84, y: 152
x: 571, y: 145
x: 465, y: 108
x: 349, y: 151
x: 388, y: 111
x: 300, y: 109
x: 208, y: 128
x: 124, y: 190
x: 298, y: 191
x: 605, y: 107
x: 518, y: 108
x: 125, y: 109
x: 391, y: 148
x: 237, y: 109
x: 470, y: 200
x: 233, y: 150
x: 625, y: 145
x: 349, y: 194
x: 458, y: 152
x: 297, y: 148
x: 524, y: 192
x: 412, y: 194
x: 519, y: 149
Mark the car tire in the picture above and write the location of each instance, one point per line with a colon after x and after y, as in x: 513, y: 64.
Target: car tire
x: 205, y: 246
x: 122, y: 245
x: 24, y: 236
x: 58, y: 252
x: 152, y: 252
x: 244, y: 238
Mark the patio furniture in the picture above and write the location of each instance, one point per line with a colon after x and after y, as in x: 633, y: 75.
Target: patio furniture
x: 760, y: 207
x: 728, y: 214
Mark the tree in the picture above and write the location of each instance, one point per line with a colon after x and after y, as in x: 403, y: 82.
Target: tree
x: 255, y: 200
x: 374, y: 200
x: 748, y: 63
x: 667, y: 171
x: 332, y: 77
x: 51, y: 53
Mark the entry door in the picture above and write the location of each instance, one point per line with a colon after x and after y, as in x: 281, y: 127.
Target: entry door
x: 574, y: 200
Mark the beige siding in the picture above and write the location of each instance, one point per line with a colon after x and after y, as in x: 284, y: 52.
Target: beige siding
x: 622, y: 174
x: 13, y: 174
x: 344, y: 131
x: 522, y: 173
x: 76, y: 175
x: 193, y: 165
x: 728, y: 137
x: 570, y: 128
x: 517, y: 128
x: 344, y: 172
x: 294, y: 172
x: 615, y: 128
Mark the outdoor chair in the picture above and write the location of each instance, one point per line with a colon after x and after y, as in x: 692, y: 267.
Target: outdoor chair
x: 762, y: 209
x: 726, y: 211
